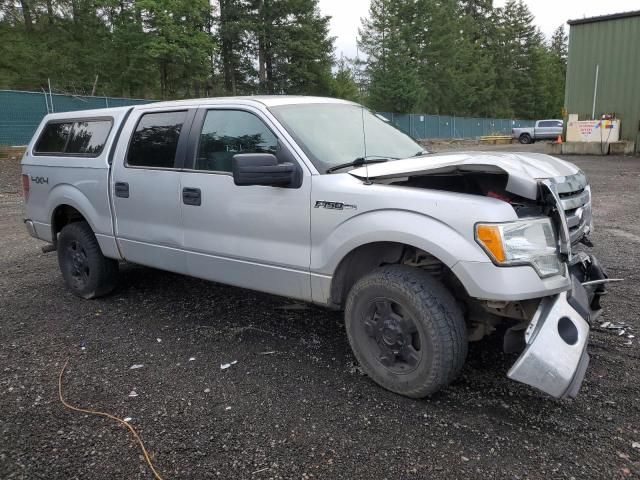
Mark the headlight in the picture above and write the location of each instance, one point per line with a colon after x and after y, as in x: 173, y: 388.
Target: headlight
x: 524, y: 242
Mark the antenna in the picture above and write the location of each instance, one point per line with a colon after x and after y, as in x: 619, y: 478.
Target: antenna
x: 364, y: 139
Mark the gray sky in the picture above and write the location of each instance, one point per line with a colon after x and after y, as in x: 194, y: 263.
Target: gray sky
x: 549, y: 15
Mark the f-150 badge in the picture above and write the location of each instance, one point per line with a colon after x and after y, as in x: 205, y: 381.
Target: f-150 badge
x: 334, y: 205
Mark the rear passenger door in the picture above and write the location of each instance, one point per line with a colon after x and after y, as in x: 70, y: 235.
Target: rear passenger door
x: 544, y: 129
x: 255, y: 237
x: 146, y: 187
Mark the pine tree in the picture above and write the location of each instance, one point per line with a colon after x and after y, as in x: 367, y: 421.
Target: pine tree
x: 294, y: 49
x: 344, y: 81
x: 392, y: 67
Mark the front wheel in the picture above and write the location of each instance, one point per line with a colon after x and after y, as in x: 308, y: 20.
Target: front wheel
x: 86, y: 271
x: 406, y: 330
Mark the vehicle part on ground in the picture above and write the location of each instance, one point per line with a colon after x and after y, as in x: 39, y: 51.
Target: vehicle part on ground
x: 406, y: 330
x: 86, y: 271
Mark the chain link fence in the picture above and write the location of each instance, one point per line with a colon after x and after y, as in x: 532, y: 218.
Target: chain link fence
x: 22, y: 112
x: 422, y: 126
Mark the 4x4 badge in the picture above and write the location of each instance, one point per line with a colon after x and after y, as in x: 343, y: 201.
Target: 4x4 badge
x: 39, y: 180
x: 334, y: 205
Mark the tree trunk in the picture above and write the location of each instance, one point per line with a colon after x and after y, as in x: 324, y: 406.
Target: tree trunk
x: 262, y: 47
x: 50, y: 14
x: 26, y: 13
x: 226, y: 52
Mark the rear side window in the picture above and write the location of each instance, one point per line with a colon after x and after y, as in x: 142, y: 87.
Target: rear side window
x: 75, y: 138
x: 88, y: 137
x: 155, y: 141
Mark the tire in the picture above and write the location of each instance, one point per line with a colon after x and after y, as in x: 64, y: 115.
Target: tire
x: 417, y: 344
x: 525, y: 139
x: 86, y: 272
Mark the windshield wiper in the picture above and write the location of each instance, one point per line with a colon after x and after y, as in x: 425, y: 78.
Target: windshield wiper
x: 358, y: 162
x: 421, y: 153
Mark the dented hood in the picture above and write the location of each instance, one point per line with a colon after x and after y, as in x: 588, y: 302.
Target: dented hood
x: 524, y: 169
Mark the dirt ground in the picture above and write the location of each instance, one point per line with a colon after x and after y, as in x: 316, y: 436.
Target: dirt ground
x: 295, y: 404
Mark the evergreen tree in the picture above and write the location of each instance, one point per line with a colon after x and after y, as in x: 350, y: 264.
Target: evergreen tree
x: 557, y: 73
x: 344, y: 81
x: 295, y: 51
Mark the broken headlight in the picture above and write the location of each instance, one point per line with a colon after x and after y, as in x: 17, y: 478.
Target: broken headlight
x: 523, y: 242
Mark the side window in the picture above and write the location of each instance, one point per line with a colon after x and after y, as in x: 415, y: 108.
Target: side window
x: 53, y: 138
x: 82, y: 138
x: 88, y: 138
x: 543, y: 124
x: 558, y: 124
x: 228, y: 132
x: 155, y: 140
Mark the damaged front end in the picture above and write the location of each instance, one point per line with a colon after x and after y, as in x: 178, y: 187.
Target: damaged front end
x: 555, y: 358
x: 553, y: 328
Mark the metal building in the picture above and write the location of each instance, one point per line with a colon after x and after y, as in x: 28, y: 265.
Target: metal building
x: 603, y: 71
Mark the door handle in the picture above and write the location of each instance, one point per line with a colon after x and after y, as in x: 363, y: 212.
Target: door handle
x: 122, y: 189
x: 191, y: 196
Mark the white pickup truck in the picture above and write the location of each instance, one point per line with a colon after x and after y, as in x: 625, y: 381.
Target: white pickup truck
x: 542, y: 130
x: 319, y: 200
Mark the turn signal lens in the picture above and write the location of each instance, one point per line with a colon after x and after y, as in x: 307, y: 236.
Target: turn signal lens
x: 489, y: 236
x: 25, y: 187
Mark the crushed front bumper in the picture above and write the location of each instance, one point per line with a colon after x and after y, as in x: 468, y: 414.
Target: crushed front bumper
x: 555, y: 358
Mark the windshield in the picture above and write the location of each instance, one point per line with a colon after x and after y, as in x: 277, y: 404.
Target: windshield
x: 332, y: 134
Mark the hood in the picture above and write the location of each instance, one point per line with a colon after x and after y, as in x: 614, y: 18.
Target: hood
x: 524, y: 170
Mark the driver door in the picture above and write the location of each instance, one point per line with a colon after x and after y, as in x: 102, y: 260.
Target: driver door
x: 254, y: 237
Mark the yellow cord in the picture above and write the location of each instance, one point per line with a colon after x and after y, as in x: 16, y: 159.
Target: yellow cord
x: 147, y: 457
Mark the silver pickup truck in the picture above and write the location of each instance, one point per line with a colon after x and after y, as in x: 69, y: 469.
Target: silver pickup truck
x: 319, y: 200
x: 542, y: 130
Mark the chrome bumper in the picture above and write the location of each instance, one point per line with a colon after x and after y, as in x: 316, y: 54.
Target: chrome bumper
x: 555, y: 358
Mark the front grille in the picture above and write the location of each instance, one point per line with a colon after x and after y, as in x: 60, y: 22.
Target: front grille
x: 577, y: 210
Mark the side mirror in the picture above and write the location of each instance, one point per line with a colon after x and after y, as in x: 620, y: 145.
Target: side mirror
x: 262, y: 169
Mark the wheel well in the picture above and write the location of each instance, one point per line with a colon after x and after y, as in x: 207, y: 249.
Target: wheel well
x: 63, y: 215
x: 366, y: 258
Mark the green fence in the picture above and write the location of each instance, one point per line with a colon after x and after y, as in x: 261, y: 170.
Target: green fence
x: 22, y: 112
x: 423, y: 126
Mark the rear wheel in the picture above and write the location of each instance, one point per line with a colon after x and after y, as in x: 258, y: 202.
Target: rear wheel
x: 406, y: 330
x: 525, y: 139
x: 87, y: 273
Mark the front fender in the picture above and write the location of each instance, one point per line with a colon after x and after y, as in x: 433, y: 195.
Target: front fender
x: 392, y: 225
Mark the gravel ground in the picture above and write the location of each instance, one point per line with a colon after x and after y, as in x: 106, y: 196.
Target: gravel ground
x: 294, y: 405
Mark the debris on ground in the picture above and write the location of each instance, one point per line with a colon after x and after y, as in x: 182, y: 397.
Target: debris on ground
x: 635, y: 445
x: 224, y: 366
x: 270, y: 352
x: 133, y: 393
x: 136, y: 366
x: 192, y: 359
x: 612, y: 326
x: 127, y: 419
